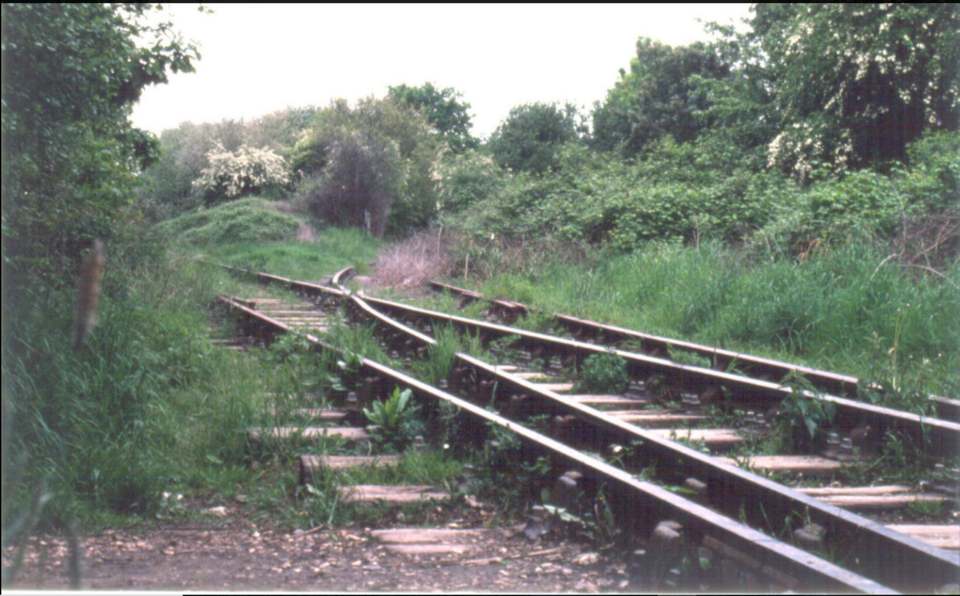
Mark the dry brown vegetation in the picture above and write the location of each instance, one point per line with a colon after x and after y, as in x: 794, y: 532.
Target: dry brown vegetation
x: 411, y: 262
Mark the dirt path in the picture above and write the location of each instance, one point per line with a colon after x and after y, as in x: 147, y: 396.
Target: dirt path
x: 236, y: 555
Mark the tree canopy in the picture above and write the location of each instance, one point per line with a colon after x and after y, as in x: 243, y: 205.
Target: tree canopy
x: 658, y: 97
x: 443, y: 109
x: 851, y: 85
x: 532, y: 134
x: 376, y: 157
x: 71, y: 73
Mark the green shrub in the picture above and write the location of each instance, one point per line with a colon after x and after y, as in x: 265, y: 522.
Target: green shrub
x: 932, y: 176
x: 466, y: 179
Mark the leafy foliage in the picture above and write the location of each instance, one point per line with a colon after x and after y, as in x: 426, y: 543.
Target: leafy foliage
x: 395, y: 420
x: 529, y: 138
x: 658, y: 97
x: 443, y: 110
x: 71, y: 74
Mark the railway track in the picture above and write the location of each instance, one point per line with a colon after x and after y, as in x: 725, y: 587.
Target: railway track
x: 890, y: 558
x: 509, y: 311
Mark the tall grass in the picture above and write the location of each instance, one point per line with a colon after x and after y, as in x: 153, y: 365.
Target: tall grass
x: 844, y: 309
x: 134, y: 411
x: 147, y: 404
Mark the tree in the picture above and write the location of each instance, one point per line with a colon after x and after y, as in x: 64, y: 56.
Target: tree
x: 167, y: 184
x: 659, y: 96
x: 443, y: 109
x: 854, y: 84
x: 383, y: 152
x: 531, y: 136
x: 71, y: 73
x: 279, y: 130
x: 360, y: 180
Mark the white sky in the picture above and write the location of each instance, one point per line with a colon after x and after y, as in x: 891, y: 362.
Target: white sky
x: 258, y: 58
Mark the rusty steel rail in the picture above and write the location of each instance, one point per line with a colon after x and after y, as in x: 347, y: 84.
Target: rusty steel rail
x: 653, y: 502
x: 831, y: 382
x: 766, y: 367
x: 941, y: 436
x: 891, y: 555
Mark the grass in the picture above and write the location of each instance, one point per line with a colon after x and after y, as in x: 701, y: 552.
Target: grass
x: 245, y: 220
x: 332, y: 250
x: 148, y: 405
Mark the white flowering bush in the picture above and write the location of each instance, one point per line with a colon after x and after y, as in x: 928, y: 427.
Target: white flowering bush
x: 248, y: 170
x: 854, y: 84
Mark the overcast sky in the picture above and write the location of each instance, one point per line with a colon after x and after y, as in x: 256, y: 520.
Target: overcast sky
x: 258, y: 58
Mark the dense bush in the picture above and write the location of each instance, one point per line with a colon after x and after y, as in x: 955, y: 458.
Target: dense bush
x: 700, y: 190
x: 467, y: 179
x: 359, y: 182
x: 599, y: 198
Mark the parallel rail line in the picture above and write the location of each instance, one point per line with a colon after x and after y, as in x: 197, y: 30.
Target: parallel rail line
x: 942, y: 437
x: 889, y: 556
